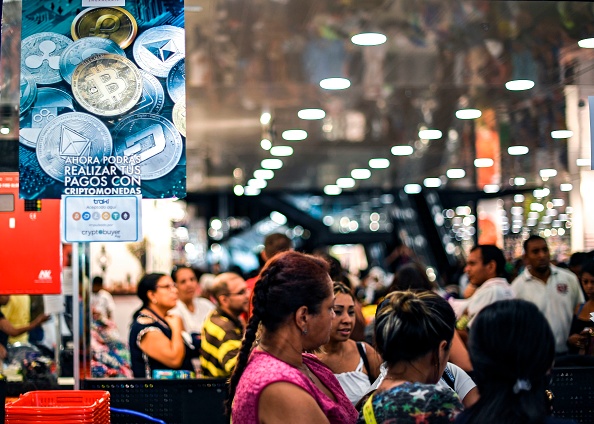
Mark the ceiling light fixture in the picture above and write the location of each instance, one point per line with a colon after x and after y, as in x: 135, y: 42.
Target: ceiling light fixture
x: 491, y: 188
x: 265, y: 144
x: 561, y: 134
x: 517, y: 150
x: 430, y: 134
x: 566, y: 187
x: 412, y: 188
x: 345, y: 182
x: 586, y: 43
x: 483, y: 162
x: 402, y: 150
x: 468, y: 114
x: 251, y: 191
x: 432, y: 182
x: 332, y: 190
x: 547, y: 173
x: 311, y: 114
x: 583, y: 162
x: 519, y: 181
x: 455, y: 173
x: 294, y: 135
x: 335, y: 83
x: 361, y: 173
x: 271, y: 164
x: 255, y: 182
x: 265, y: 118
x: 369, y: 39
x: 379, y: 163
x: 263, y: 174
x: 281, y: 151
x: 519, y: 85
x: 238, y: 190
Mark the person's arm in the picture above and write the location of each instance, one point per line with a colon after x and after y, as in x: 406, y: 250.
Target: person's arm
x: 169, y: 352
x: 286, y: 403
x: 471, y: 398
x: 459, y: 353
x: 12, y: 331
x: 229, y: 348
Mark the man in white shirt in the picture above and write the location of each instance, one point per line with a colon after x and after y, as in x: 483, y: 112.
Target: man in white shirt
x: 102, y: 303
x: 485, y: 267
x: 554, y: 290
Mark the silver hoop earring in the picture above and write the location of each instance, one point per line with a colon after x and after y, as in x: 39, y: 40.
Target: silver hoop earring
x: 304, y: 332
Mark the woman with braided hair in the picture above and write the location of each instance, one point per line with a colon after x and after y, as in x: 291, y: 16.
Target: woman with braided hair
x: 274, y: 381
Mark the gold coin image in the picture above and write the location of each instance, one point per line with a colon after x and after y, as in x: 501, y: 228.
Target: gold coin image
x: 107, y: 84
x: 179, y: 117
x: 115, y: 23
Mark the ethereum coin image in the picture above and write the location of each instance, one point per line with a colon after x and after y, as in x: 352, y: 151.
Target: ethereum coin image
x: 83, y: 49
x: 153, y: 95
x: 28, y: 91
x: 115, y: 23
x: 153, y: 139
x: 107, y: 84
x: 157, y: 49
x: 176, y: 81
x: 49, y: 103
x: 71, y: 136
x: 40, y: 55
x: 179, y: 117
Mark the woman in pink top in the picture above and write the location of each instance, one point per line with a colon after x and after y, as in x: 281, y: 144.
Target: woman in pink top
x: 275, y: 382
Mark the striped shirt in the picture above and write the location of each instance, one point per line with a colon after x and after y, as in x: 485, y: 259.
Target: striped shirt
x: 221, y: 341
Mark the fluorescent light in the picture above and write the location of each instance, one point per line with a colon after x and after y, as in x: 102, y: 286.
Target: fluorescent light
x: 483, y: 162
x: 455, y: 173
x: 271, y: 164
x: 238, y: 190
x: 517, y: 150
x: 332, y: 190
x: 379, y: 163
x: 278, y: 217
x: 430, y: 134
x: 251, y: 191
x: 294, y: 135
x: 369, y: 39
x: 583, y: 162
x: 361, y: 173
x: 518, y: 198
x: 4, y: 130
x: 335, y: 83
x: 519, y: 181
x: 254, y: 182
x: 561, y: 134
x: 566, y: 187
x: 265, y: 118
x: 345, y: 182
x: 265, y: 144
x: 263, y: 174
x: 432, y: 182
x: 547, y: 173
x: 412, y: 188
x: 586, y: 43
x: 468, y: 114
x: 491, y: 188
x: 519, y: 85
x: 311, y: 114
x: 281, y: 151
x: 402, y: 150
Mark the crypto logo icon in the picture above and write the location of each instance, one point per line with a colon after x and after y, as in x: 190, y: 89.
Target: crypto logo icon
x: 76, y: 216
x: 72, y: 143
x: 125, y: 216
x: 86, y: 216
x: 96, y: 216
x: 106, y: 216
x: 115, y: 216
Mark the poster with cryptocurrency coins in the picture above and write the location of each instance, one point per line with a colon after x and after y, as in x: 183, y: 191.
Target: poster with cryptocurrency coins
x: 102, y: 107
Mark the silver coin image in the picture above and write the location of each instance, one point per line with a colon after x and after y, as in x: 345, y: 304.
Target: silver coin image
x: 153, y: 95
x: 157, y: 49
x: 176, y: 81
x: 179, y: 117
x: 28, y: 91
x: 49, y: 103
x: 83, y: 49
x: 153, y: 138
x: 71, y: 135
x: 107, y: 84
x: 40, y: 55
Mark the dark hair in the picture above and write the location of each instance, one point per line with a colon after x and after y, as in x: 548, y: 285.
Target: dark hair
x: 287, y: 282
x: 411, y: 276
x: 410, y: 325
x: 588, y: 267
x: 147, y: 283
x: 511, y: 378
x: 97, y: 281
x: 176, y: 269
x: 275, y: 243
x: 490, y: 252
x: 533, y: 237
x: 340, y: 288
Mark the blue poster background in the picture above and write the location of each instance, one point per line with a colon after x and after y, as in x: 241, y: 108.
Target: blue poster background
x: 57, y: 16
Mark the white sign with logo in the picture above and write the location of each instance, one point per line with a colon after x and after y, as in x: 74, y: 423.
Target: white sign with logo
x: 103, y: 3
x: 101, y: 218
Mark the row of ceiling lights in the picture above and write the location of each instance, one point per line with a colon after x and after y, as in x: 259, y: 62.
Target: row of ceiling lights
x: 259, y: 182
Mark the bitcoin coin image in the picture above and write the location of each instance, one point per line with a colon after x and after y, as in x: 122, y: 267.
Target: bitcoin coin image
x: 40, y: 55
x: 115, y: 23
x: 176, y: 81
x: 107, y: 84
x: 49, y: 103
x: 157, y: 49
x: 71, y: 136
x: 28, y: 91
x: 83, y: 49
x: 153, y: 95
x: 153, y: 139
x: 179, y: 117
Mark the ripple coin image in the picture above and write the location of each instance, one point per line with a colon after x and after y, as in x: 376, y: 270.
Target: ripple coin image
x: 40, y: 55
x: 157, y: 49
x: 115, y: 23
x: 153, y: 139
x: 83, y: 49
x: 71, y: 136
x: 107, y: 84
